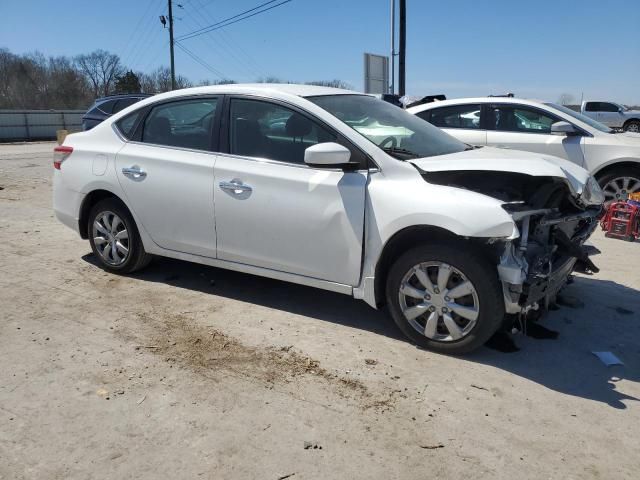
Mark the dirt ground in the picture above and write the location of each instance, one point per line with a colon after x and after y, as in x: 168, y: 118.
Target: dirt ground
x: 186, y: 371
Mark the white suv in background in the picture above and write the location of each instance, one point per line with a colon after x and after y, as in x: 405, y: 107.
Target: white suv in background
x: 612, y: 157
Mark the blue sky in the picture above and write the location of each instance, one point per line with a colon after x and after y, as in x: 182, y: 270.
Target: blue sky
x: 538, y: 49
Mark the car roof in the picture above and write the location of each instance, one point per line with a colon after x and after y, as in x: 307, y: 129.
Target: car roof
x: 123, y: 95
x: 459, y: 101
x: 268, y: 89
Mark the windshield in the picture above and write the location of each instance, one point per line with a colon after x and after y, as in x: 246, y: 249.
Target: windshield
x: 583, y: 118
x: 400, y: 134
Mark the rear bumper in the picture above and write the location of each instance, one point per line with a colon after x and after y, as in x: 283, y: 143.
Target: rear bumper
x: 66, y: 203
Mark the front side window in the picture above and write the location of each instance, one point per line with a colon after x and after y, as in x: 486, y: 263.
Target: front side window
x: 456, y: 116
x: 583, y: 118
x: 508, y: 118
x: 185, y: 124
x: 397, y: 132
x: 268, y: 130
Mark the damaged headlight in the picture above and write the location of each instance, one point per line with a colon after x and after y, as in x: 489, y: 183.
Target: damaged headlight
x: 592, y: 194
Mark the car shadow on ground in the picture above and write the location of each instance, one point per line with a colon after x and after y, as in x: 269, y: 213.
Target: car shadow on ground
x: 604, y: 317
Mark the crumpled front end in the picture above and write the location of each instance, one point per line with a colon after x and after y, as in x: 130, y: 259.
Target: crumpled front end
x: 554, y: 217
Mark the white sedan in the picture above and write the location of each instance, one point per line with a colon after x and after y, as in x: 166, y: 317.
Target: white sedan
x: 612, y: 157
x: 336, y: 190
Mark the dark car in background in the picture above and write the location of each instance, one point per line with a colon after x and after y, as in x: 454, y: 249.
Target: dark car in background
x: 104, y: 107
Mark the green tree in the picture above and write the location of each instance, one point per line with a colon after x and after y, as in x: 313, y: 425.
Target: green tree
x: 127, y: 83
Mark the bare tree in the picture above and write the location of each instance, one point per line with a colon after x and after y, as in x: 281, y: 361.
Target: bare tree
x: 331, y: 83
x: 101, y: 69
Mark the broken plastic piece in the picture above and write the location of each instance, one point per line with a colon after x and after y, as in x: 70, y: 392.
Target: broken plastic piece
x: 608, y: 358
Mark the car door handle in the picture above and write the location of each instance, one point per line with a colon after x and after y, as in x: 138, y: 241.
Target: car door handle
x: 134, y: 172
x: 236, y: 187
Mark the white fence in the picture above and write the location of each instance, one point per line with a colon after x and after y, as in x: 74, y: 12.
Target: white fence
x: 16, y: 125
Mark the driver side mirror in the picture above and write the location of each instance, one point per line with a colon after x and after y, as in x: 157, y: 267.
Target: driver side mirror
x: 563, y: 128
x: 329, y: 155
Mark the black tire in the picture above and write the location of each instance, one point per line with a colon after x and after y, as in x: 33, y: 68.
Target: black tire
x: 632, y: 125
x: 477, y: 269
x: 617, y: 172
x: 136, y: 258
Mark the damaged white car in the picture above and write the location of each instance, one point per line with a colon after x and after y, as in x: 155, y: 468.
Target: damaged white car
x: 335, y: 190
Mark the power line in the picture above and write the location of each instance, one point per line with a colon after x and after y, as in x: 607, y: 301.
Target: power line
x: 232, y: 44
x: 227, y: 19
x: 224, y: 45
x: 136, y: 30
x: 227, y: 22
x: 199, y: 60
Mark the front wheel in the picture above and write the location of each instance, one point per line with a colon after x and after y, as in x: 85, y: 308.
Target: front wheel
x: 444, y: 298
x: 618, y: 183
x: 633, y: 126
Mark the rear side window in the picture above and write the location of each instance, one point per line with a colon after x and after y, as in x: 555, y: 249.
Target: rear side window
x: 456, y: 116
x: 591, y: 107
x: 608, y: 107
x: 106, y: 107
x: 124, y: 103
x: 185, y: 124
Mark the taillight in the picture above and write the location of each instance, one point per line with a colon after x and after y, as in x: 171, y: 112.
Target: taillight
x: 60, y: 154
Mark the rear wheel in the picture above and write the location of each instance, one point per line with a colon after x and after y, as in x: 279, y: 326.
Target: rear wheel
x: 445, y: 297
x: 618, y: 183
x: 114, y: 238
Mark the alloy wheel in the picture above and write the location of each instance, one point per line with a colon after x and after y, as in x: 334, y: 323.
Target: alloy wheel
x: 439, y: 301
x: 618, y: 189
x: 111, y: 238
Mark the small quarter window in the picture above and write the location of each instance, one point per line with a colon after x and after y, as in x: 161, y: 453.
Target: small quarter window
x: 128, y: 124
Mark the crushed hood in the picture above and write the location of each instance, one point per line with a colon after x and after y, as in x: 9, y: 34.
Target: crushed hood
x: 491, y: 159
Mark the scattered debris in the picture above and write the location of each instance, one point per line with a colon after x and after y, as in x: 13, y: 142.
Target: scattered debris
x: 311, y: 445
x: 267, y: 427
x: 286, y: 476
x: 142, y: 399
x: 102, y: 392
x: 479, y: 387
x: 138, y: 347
x: 623, y: 311
x: 432, y: 447
x: 370, y: 361
x: 608, y: 358
x: 568, y: 301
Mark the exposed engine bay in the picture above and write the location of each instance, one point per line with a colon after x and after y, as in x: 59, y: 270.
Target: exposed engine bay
x: 554, y: 224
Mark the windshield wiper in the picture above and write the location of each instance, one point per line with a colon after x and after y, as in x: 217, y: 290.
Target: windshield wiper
x: 402, y: 152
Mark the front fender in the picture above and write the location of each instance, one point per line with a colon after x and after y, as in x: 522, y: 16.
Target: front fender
x: 393, y: 206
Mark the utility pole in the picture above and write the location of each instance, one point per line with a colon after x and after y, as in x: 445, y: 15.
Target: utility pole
x: 403, y: 48
x: 392, y: 85
x: 173, y: 67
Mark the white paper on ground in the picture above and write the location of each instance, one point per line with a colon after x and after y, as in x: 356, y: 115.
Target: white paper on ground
x: 608, y: 358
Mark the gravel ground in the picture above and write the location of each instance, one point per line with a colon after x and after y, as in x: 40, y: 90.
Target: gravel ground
x: 186, y: 371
